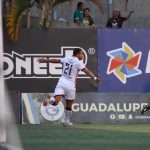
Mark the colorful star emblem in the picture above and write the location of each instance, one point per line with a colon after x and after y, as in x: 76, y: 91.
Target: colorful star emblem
x: 124, y: 63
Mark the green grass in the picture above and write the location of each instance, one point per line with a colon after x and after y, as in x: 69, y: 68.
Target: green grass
x: 85, y: 137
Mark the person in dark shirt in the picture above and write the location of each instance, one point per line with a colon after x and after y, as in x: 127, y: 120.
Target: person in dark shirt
x: 116, y: 21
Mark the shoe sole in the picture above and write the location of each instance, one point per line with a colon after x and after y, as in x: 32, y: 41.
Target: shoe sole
x: 66, y: 125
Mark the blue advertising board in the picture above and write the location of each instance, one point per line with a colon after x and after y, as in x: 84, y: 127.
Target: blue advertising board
x: 124, y: 60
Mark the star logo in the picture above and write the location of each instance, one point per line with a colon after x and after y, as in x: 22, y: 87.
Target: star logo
x: 124, y: 63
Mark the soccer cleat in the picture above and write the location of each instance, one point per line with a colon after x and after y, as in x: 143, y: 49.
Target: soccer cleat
x: 144, y: 109
x: 62, y: 119
x: 67, y: 123
x: 46, y: 101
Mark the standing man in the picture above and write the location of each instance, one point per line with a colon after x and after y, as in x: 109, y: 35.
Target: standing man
x: 66, y: 86
x: 78, y: 14
x: 116, y: 21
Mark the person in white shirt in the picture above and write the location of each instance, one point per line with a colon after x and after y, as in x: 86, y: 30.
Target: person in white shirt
x: 66, y: 85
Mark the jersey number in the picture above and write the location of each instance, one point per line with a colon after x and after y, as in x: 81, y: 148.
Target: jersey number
x: 68, y: 69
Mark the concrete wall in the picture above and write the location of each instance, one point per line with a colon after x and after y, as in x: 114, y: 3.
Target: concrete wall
x: 140, y: 18
x: 66, y: 10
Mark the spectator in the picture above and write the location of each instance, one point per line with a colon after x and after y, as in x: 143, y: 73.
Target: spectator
x: 87, y: 19
x: 78, y: 14
x: 117, y: 20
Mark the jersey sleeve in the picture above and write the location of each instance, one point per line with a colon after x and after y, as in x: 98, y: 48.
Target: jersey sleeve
x: 62, y: 60
x: 81, y: 65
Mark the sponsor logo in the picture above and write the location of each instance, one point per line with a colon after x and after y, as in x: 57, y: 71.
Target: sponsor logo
x: 116, y: 111
x: 91, y: 51
x: 26, y: 65
x: 52, y: 113
x: 124, y: 63
x: 119, y: 117
x: 111, y: 107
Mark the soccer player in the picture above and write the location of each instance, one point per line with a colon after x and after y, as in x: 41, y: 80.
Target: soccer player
x: 145, y: 108
x: 66, y: 85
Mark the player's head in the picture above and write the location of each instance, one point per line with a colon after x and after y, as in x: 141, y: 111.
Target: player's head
x: 77, y: 52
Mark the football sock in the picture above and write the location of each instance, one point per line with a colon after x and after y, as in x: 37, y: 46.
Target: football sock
x: 68, y: 114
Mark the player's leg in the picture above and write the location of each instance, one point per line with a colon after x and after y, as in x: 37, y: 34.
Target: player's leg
x: 145, y: 108
x: 69, y: 96
x: 68, y: 112
x: 58, y: 94
x: 52, y: 100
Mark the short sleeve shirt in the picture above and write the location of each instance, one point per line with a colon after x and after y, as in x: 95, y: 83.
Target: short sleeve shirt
x: 71, y: 66
x: 78, y: 15
x: 116, y: 23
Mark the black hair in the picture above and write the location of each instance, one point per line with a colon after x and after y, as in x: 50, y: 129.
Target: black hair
x: 76, y: 51
x: 86, y: 9
x: 79, y: 4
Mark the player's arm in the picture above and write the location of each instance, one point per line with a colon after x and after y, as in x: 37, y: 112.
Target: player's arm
x: 91, y: 75
x: 43, y: 60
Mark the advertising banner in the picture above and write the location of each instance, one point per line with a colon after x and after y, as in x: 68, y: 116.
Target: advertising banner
x: 124, y: 60
x: 23, y: 73
x: 112, y: 108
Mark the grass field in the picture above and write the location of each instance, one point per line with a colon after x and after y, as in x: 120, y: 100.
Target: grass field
x: 85, y: 137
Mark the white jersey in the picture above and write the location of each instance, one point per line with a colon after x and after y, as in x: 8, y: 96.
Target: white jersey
x: 71, y: 66
x: 67, y: 82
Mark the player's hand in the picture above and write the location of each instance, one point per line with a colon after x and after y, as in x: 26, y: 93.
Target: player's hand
x: 41, y: 60
x: 98, y: 80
